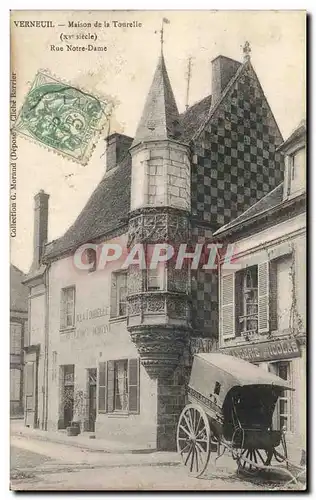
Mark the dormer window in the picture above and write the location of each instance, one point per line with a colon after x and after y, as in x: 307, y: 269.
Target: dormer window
x: 296, y: 171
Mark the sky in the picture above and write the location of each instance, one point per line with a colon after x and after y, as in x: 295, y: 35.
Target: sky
x: 124, y: 73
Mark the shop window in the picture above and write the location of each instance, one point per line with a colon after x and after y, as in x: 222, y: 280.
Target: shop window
x: 156, y: 278
x: 119, y: 294
x: 15, y: 384
x: 283, y: 410
x: 118, y: 386
x: 247, y: 300
x: 15, y: 338
x: 67, y: 309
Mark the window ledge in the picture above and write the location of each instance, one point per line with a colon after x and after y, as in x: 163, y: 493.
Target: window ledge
x: 117, y: 319
x: 68, y: 329
x: 118, y: 414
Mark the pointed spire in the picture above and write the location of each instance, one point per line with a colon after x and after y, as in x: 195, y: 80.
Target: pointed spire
x: 160, y: 119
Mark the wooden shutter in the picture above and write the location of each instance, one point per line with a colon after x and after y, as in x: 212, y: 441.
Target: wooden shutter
x: 263, y: 297
x: 228, y: 305
x: 113, y: 312
x: 110, y: 387
x: 133, y: 385
x: 102, y: 387
x: 273, y: 295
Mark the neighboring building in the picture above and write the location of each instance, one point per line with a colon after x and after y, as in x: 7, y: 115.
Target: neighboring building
x: 18, y: 333
x: 263, y: 299
x: 112, y: 348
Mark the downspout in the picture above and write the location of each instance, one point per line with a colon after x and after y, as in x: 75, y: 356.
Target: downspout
x: 45, y: 405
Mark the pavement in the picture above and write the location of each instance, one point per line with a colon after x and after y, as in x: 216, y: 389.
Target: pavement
x: 42, y: 460
x: 83, y: 440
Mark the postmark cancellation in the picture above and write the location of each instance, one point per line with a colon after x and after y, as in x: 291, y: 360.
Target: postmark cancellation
x: 62, y: 117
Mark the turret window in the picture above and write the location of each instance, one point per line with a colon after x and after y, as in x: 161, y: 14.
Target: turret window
x: 156, y: 278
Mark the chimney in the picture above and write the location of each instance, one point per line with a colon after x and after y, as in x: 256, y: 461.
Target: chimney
x: 117, y: 146
x: 40, y: 226
x: 223, y: 70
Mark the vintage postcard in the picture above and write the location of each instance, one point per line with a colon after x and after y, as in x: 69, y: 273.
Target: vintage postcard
x: 158, y: 234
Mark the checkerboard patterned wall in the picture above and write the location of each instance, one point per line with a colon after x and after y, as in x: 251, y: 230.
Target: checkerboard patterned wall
x: 234, y: 165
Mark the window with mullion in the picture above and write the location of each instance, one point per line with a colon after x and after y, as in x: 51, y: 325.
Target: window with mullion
x: 248, y: 317
x: 121, y: 385
x: 68, y: 307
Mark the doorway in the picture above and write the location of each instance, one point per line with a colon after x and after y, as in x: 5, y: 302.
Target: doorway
x: 92, y: 391
x: 68, y: 394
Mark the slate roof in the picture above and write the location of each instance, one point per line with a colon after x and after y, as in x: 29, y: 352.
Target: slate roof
x: 194, y: 117
x: 105, y: 210
x: 297, y: 133
x: 18, y: 291
x: 109, y: 204
x: 270, y: 200
x: 160, y: 118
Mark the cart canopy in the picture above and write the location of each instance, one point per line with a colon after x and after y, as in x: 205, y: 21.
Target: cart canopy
x: 213, y: 375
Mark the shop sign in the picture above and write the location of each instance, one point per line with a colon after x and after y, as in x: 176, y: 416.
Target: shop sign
x: 266, y: 351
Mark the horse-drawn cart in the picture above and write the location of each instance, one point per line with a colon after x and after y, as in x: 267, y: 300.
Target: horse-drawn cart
x: 231, y: 405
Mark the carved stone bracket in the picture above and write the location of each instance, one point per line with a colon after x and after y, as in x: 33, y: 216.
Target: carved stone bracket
x: 159, y: 348
x: 158, y: 225
x: 171, y: 305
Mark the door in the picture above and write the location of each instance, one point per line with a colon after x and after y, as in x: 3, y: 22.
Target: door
x: 92, y: 381
x: 68, y: 394
x: 30, y: 388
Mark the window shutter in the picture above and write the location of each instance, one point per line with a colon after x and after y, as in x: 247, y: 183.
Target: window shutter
x: 110, y: 387
x: 102, y: 387
x: 133, y: 385
x: 228, y: 305
x: 263, y: 297
x: 273, y: 296
x: 113, y: 312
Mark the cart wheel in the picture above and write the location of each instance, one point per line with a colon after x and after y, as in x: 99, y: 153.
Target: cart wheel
x: 194, y: 439
x: 258, y: 458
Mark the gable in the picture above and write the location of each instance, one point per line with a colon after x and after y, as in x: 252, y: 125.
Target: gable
x: 235, y: 162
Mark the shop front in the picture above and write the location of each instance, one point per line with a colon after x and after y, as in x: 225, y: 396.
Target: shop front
x: 285, y: 358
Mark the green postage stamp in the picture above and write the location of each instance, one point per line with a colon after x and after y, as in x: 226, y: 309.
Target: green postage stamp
x: 62, y: 117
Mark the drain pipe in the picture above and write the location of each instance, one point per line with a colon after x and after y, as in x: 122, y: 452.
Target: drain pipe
x: 46, y: 364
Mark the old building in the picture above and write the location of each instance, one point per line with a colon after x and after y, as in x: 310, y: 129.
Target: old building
x: 263, y: 297
x: 18, y: 334
x: 112, y: 347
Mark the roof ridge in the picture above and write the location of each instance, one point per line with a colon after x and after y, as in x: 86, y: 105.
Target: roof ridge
x: 224, y: 94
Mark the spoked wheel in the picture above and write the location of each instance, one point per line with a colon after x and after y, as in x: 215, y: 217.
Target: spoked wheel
x: 252, y: 460
x: 194, y: 438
